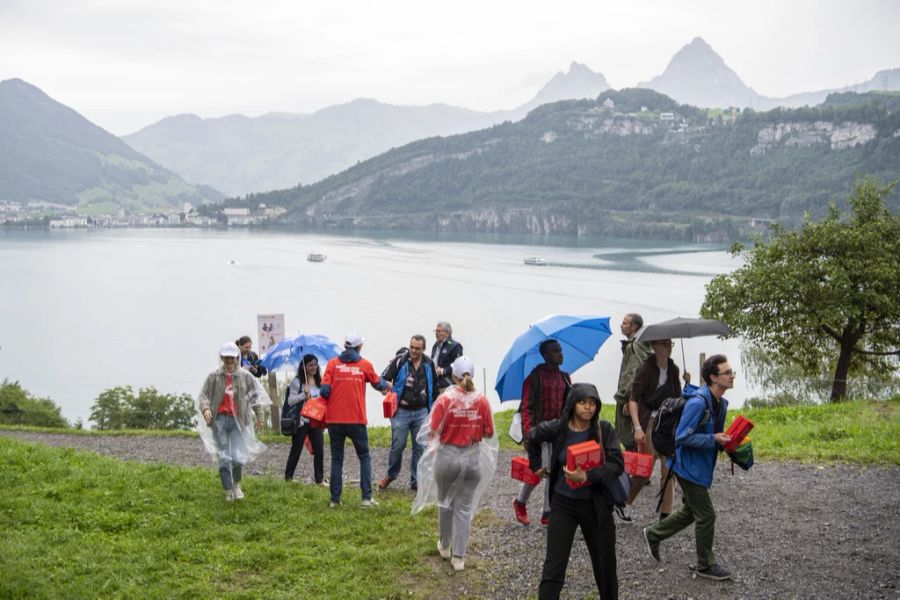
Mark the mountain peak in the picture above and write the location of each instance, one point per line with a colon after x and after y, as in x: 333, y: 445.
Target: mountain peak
x: 579, y: 82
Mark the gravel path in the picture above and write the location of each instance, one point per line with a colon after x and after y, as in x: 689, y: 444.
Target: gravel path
x: 786, y: 530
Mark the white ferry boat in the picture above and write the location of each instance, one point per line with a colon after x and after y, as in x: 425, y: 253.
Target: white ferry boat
x: 316, y: 257
x: 535, y: 261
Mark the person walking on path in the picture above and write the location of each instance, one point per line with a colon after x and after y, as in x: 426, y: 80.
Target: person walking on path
x: 589, y: 507
x: 459, y: 462
x: 633, y: 354
x: 444, y: 351
x: 227, y: 403
x: 413, y: 378
x: 543, y: 397
x: 698, y: 439
x: 655, y: 380
x: 303, y: 387
x: 344, y: 388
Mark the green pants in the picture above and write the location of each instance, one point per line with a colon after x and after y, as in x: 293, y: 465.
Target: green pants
x: 624, y: 428
x: 698, y: 509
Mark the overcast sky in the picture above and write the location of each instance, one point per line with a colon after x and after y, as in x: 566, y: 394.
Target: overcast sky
x: 127, y: 63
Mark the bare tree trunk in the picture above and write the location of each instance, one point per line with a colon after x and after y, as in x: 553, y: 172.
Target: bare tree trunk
x: 839, y: 385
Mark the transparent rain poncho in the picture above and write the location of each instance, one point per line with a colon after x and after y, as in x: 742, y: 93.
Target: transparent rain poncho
x: 250, y: 396
x: 462, y: 462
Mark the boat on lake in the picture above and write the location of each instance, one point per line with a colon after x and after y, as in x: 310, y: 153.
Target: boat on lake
x: 535, y: 261
x: 316, y: 257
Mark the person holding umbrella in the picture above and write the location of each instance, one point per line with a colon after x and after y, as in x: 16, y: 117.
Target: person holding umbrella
x: 303, y: 387
x: 655, y: 380
x: 543, y: 397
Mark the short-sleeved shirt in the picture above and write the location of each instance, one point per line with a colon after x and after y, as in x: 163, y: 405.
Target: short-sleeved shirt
x: 462, y: 426
x: 347, y: 401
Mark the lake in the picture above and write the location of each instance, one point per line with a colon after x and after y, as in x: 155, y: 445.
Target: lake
x: 83, y: 311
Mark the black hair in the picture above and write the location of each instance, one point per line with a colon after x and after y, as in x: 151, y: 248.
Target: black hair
x: 301, y: 369
x: 546, y: 344
x: 636, y: 319
x: 580, y: 391
x: 710, y: 367
x: 243, y: 340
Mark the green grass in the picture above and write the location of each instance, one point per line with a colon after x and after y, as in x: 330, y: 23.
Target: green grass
x: 77, y: 525
x: 864, y: 432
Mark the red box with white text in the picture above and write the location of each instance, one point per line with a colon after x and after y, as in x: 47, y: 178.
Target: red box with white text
x: 587, y: 455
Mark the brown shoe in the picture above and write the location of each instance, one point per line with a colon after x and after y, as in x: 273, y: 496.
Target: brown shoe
x: 385, y: 482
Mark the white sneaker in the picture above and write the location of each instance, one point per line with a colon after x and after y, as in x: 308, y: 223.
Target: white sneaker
x: 238, y: 492
x: 370, y: 503
x: 444, y: 552
x: 625, y: 514
x: 229, y: 495
x: 458, y: 563
x: 333, y: 504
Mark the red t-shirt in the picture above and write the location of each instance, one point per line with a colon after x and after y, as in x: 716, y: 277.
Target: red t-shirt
x: 462, y: 426
x: 347, y: 401
x: 227, y: 406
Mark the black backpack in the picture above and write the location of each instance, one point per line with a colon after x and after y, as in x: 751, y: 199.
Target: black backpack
x: 666, y: 422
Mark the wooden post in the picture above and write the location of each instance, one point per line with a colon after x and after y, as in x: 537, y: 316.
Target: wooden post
x: 700, y: 381
x: 276, y: 402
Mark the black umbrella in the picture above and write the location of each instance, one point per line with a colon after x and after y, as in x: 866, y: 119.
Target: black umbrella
x: 682, y: 327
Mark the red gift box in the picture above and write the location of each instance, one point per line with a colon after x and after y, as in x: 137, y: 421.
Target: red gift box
x: 390, y: 405
x: 638, y: 464
x: 738, y: 430
x: 522, y: 471
x: 314, y: 409
x: 587, y: 455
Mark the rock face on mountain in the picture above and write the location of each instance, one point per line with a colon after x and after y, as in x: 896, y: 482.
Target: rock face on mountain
x: 239, y: 154
x: 630, y: 163
x: 50, y: 153
x: 698, y: 76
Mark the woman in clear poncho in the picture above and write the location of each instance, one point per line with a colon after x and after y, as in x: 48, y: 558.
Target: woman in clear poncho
x: 459, y: 460
x: 227, y: 403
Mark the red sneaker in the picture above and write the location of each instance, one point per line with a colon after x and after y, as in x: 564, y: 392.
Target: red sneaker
x: 521, y: 511
x: 545, y: 519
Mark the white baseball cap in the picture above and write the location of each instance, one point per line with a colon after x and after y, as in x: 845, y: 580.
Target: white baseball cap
x: 461, y: 366
x: 353, y: 339
x: 230, y: 349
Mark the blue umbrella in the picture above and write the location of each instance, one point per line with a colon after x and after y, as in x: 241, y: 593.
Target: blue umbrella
x: 579, y: 336
x: 287, y: 354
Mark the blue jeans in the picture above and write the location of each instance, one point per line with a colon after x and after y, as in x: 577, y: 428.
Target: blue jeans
x: 405, y: 422
x: 232, y: 451
x: 359, y: 435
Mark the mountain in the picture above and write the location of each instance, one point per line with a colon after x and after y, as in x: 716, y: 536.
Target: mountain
x: 50, y: 153
x: 698, y: 76
x: 240, y: 155
x: 630, y: 163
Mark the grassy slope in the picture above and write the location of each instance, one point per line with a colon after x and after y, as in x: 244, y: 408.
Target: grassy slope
x: 74, y: 524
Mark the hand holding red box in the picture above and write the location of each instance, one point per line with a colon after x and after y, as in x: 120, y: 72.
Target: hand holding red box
x: 521, y: 471
x: 738, y: 430
x: 390, y: 405
x: 587, y: 455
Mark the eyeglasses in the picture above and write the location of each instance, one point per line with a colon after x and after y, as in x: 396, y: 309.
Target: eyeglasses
x: 728, y: 372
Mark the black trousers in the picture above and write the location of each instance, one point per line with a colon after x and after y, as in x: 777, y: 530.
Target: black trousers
x: 600, y: 536
x: 318, y: 445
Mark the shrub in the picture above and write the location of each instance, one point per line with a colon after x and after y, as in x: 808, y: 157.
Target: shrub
x: 18, y: 407
x: 120, y: 408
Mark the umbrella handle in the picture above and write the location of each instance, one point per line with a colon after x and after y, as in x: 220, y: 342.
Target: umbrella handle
x: 683, y: 363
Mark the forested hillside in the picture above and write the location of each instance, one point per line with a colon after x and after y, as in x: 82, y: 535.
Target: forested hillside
x: 633, y: 162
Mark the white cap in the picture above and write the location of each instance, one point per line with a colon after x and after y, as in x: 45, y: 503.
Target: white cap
x: 461, y: 366
x: 353, y: 339
x: 230, y: 349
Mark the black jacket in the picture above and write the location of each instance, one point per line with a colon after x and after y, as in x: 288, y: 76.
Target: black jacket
x: 555, y: 432
x: 450, y: 352
x: 253, y: 358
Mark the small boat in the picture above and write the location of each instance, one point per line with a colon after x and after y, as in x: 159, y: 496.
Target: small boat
x: 535, y: 261
x: 316, y: 257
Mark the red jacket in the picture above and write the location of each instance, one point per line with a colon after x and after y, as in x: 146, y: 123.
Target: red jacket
x: 346, y: 390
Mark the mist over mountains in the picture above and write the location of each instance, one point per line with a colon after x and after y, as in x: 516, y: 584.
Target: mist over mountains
x: 240, y: 155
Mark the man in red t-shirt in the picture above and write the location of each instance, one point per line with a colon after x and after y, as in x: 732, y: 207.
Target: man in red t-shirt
x: 344, y: 389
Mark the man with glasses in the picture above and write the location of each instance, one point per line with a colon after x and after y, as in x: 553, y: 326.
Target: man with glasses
x: 698, y: 440
x: 444, y: 351
x: 413, y: 379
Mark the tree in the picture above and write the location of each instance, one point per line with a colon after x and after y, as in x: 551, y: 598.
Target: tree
x: 120, y: 408
x: 18, y: 407
x: 829, y: 292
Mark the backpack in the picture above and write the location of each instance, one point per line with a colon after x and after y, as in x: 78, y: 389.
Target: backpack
x: 666, y: 422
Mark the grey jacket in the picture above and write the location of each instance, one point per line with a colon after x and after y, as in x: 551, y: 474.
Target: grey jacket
x: 245, y: 394
x: 633, y: 354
